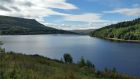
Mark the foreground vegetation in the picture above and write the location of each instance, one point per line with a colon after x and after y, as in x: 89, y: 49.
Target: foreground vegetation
x: 124, y: 31
x: 20, y: 66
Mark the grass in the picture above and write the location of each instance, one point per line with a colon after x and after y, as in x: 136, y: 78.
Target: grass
x: 20, y: 66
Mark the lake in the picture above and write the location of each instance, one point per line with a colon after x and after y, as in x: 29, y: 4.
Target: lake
x: 125, y: 57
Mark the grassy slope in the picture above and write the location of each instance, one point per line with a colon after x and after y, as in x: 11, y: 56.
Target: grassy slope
x: 18, y: 26
x: 19, y: 66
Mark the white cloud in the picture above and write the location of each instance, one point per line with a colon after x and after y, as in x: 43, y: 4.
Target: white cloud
x: 88, y: 25
x: 60, y: 26
x: 87, y: 21
x: 135, y: 5
x: 126, y: 11
x: 37, y: 9
x: 87, y: 17
x: 33, y: 8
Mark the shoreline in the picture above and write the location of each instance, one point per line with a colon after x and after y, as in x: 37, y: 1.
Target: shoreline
x: 41, y: 62
x: 122, y: 40
x: 37, y: 34
x: 119, y: 40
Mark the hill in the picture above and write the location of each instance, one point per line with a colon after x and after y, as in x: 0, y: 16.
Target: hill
x: 85, y: 32
x: 123, y: 31
x: 20, y: 66
x: 16, y: 26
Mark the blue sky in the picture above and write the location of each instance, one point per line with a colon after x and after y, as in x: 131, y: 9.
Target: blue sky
x: 73, y: 14
x: 98, y: 7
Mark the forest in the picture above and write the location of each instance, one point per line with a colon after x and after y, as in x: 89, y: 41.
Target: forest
x: 128, y: 30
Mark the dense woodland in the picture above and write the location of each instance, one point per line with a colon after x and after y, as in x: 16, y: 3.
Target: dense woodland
x: 17, y: 26
x: 129, y: 30
x: 19, y: 66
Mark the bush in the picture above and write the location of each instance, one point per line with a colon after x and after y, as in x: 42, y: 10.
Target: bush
x: 82, y: 62
x: 89, y: 64
x: 68, y: 58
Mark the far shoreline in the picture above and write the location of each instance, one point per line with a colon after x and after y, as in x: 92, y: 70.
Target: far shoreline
x: 122, y: 40
x: 36, y: 34
x: 118, y: 40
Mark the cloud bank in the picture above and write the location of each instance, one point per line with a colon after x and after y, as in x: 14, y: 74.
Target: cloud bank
x: 126, y: 11
x: 33, y: 8
x: 38, y: 9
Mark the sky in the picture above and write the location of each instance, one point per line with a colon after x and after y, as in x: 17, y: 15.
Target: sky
x: 73, y: 14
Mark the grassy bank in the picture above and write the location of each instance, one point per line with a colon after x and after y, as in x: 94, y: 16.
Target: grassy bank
x: 20, y: 66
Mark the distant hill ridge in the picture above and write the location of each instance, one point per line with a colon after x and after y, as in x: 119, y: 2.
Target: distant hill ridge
x: 125, y: 31
x: 14, y: 25
x: 83, y: 31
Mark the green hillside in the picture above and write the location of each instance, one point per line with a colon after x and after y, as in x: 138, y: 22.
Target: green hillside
x: 15, y: 26
x: 125, y: 31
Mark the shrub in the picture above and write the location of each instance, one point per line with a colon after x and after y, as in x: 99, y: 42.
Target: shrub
x: 82, y: 62
x: 89, y: 64
x: 68, y: 58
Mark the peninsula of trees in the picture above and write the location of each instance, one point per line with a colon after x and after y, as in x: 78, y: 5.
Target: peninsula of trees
x: 123, y: 31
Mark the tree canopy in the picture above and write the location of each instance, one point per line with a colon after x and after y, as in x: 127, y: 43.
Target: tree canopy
x: 129, y: 30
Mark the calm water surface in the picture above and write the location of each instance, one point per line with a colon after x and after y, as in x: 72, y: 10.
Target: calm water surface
x: 124, y: 56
